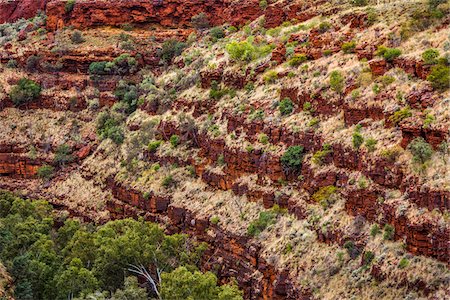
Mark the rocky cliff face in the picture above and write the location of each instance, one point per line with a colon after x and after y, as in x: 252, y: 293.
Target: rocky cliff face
x: 169, y: 13
x: 14, y: 10
x: 201, y: 138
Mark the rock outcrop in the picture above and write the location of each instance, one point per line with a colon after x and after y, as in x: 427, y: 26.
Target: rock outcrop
x: 13, y: 10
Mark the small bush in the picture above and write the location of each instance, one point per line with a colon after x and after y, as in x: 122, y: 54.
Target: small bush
x: 430, y: 56
x: 216, y: 92
x: 25, y: 91
x: 370, y: 144
x: 403, y: 263
x: 63, y: 155
x: 168, y: 181
x: 174, y: 140
x: 286, y: 107
x: 77, y: 37
x: 375, y: 230
x: 11, y: 64
x: 246, y: 51
x: 171, y: 49
x: 352, y: 250
x: 200, y: 21
x: 336, y: 81
x: 389, y: 54
x: 319, y: 156
x: 69, y: 6
x: 358, y: 2
x: 270, y: 76
x: 297, y: 60
x: 349, y: 47
x: 263, y: 4
x: 214, y: 220
x: 421, y: 150
x: 263, y: 139
x: 324, y: 27
x: 292, y: 159
x: 265, y: 219
x: 153, y: 146
x: 324, y: 195
x: 368, y: 258
x: 389, y: 232
x: 400, y: 115
x: 440, y: 77
x: 45, y: 172
x: 216, y: 34
x: 108, y: 126
x: 32, y: 63
x: 357, y: 139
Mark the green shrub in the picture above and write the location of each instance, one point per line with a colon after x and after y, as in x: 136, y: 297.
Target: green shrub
x: 286, y: 107
x: 217, y: 33
x: 357, y: 139
x: 25, y: 91
x: 352, y: 250
x: 128, y: 94
x: 77, y: 37
x: 98, y: 68
x: 246, y: 51
x: 32, y: 63
x: 336, y: 81
x: 108, y: 126
x: 168, y: 181
x: 323, y: 195
x: 370, y: 144
x: 349, y: 47
x: 171, y: 49
x: 45, y: 172
x: 430, y: 56
x: 368, y: 258
x: 263, y: 4
x: 292, y: 159
x: 440, y: 77
x: 263, y: 139
x: 307, y: 106
x: 63, y: 155
x: 389, y: 54
x: 270, y: 76
x: 400, y: 115
x: 327, y: 52
x: 375, y: 230
x: 429, y: 119
x: 216, y: 92
x: 403, y: 263
x: 358, y: 2
x: 200, y: 21
x: 69, y: 6
x: 297, y: 59
x: 214, y: 220
x: 174, y: 140
x: 324, y: 27
x: 265, y: 219
x: 11, y: 64
x: 153, y: 146
x: 421, y: 150
x: 435, y: 3
x: 389, y: 232
x: 318, y: 157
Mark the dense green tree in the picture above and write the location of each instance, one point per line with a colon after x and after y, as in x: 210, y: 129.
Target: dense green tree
x: 184, y: 284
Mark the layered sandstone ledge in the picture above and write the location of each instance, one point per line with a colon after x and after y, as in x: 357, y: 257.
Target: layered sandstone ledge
x: 170, y: 13
x: 13, y: 10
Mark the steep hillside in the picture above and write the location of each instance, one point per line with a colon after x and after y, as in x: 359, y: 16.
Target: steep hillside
x: 306, y: 142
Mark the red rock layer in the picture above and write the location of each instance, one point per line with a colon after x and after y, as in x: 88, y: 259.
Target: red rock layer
x: 169, y: 13
x: 13, y: 10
